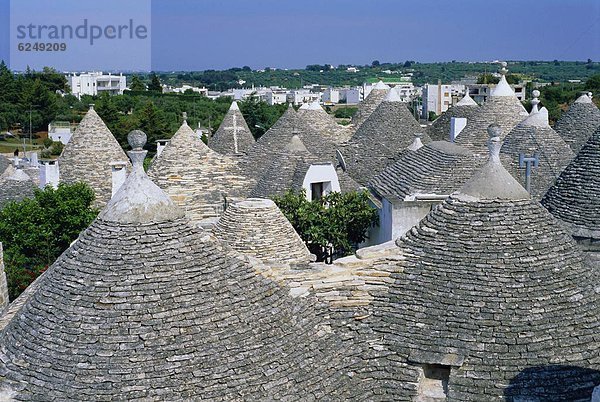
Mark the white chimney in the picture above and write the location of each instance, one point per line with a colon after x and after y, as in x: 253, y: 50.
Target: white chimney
x: 16, y: 161
x: 119, y: 174
x: 457, y: 124
x: 33, y: 160
x: 3, y: 284
x: 49, y: 173
x: 160, y: 146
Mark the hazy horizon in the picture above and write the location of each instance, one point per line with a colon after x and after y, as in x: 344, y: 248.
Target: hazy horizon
x: 189, y: 35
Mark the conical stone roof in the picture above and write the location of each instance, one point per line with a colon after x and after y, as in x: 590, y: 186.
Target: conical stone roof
x: 318, y: 119
x: 370, y: 103
x: 146, y: 306
x: 492, y: 287
x: 440, y: 128
x: 379, y: 140
x: 534, y: 136
x: 276, y: 140
x: 502, y: 107
x: 578, y: 123
x: 15, y: 185
x: 286, y: 171
x: 258, y: 228
x: 197, y: 178
x: 439, y: 168
x: 88, y: 155
x: 233, y: 136
x: 575, y: 198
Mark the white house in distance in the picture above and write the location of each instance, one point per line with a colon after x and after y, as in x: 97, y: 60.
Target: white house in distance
x: 61, y: 131
x: 95, y: 83
x: 439, y: 97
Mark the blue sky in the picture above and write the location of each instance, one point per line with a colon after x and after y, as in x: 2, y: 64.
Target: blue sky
x: 218, y: 34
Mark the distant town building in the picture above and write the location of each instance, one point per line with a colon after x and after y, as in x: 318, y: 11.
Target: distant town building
x: 94, y: 83
x: 185, y: 88
x: 331, y: 95
x: 302, y: 96
x: 351, y: 96
x: 277, y: 96
x: 438, y: 98
x: 481, y: 92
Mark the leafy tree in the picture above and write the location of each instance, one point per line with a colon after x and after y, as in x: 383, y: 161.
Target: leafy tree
x: 336, y: 219
x: 593, y: 83
x: 153, y: 123
x: 107, y: 110
x: 259, y: 115
x: 155, y: 84
x: 345, y: 112
x: 487, y: 78
x: 36, y: 231
x: 375, y: 63
x: 137, y: 84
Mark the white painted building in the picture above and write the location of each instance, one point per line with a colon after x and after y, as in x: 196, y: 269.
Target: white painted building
x: 331, y: 96
x: 351, y: 96
x: 302, y: 96
x: 94, y: 83
x: 61, y: 131
x: 277, y: 96
x: 320, y: 180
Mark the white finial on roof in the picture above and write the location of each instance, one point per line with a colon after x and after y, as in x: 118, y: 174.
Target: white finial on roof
x: 585, y: 98
x: 503, y: 69
x: 234, y: 106
x: 184, y: 114
x: 139, y: 200
x: 304, y: 106
x: 381, y: 85
x: 492, y: 181
x: 502, y: 89
x: 91, y: 105
x: 392, y: 96
x: 466, y: 100
x: 416, y: 144
x: 535, y: 101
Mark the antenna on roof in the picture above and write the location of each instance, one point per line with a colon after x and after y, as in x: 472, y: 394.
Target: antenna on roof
x: 340, y: 158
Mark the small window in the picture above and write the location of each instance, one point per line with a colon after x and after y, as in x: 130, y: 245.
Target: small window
x: 433, y: 386
x: 316, y: 190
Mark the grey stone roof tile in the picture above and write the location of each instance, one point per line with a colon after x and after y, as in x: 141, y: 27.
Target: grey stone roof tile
x: 258, y: 228
x: 380, y: 139
x: 506, y: 111
x: 575, y: 197
x: 197, y: 178
x: 439, y: 167
x: 439, y: 130
x: 15, y: 185
x: 529, y: 138
x: 578, y: 123
x: 368, y: 106
x: 157, y: 309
